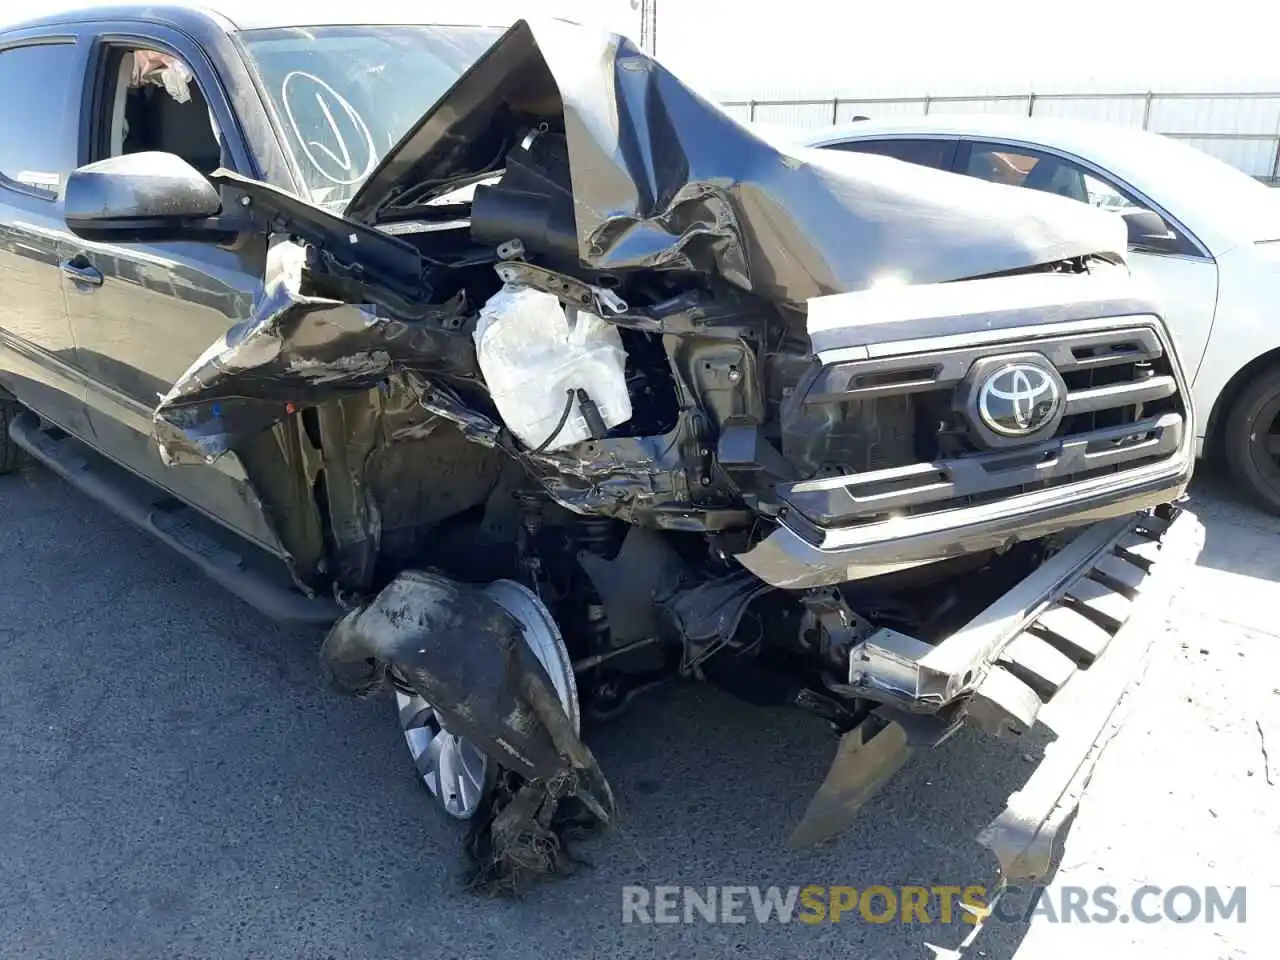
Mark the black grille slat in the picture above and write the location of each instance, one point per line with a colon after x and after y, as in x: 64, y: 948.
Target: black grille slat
x: 941, y: 484
x: 863, y: 379
x: 1122, y: 411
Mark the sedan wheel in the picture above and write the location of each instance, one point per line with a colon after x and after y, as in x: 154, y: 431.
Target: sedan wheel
x: 1252, y: 440
x: 456, y: 772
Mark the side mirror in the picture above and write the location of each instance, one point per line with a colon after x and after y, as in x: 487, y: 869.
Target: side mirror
x: 138, y: 197
x: 1148, y: 231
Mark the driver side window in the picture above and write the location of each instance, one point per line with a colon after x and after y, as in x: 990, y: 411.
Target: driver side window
x: 153, y: 102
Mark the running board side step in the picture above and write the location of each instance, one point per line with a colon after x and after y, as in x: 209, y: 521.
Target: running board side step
x: 254, y: 576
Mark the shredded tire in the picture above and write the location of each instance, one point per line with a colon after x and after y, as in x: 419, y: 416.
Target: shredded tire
x: 522, y: 832
x: 523, y: 835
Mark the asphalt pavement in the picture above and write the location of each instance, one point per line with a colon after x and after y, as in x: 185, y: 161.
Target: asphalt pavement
x: 176, y: 782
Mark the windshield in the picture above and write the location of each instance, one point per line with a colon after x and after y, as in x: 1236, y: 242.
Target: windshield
x: 343, y: 96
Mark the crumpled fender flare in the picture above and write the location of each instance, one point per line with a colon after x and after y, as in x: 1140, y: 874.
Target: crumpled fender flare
x: 463, y: 653
x: 467, y: 657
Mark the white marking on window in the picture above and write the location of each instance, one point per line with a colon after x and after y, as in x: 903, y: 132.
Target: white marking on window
x: 338, y: 166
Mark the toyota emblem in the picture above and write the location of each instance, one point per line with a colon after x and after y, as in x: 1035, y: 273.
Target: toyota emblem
x: 1019, y: 399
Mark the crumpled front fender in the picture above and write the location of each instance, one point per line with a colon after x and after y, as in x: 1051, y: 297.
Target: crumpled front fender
x: 295, y: 351
x: 461, y: 651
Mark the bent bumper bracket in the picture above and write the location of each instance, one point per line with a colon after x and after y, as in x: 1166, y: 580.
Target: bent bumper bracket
x: 1089, y: 708
x: 1036, y: 655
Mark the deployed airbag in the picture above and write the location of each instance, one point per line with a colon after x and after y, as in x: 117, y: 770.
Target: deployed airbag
x: 534, y: 354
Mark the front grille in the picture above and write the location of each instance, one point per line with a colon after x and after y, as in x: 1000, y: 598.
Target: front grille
x: 1123, y: 410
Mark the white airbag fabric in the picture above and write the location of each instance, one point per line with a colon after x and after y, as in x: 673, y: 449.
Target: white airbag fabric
x: 532, y: 350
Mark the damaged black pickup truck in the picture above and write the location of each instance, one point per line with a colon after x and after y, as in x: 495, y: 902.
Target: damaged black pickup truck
x: 571, y: 385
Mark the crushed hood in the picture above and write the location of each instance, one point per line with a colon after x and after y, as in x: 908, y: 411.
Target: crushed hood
x: 663, y: 178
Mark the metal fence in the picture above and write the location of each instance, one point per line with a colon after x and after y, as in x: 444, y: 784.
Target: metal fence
x: 1241, y: 128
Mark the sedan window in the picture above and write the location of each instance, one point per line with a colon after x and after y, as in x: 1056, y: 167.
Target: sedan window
x: 925, y: 153
x: 1025, y: 168
x: 1037, y: 170
x: 1102, y: 194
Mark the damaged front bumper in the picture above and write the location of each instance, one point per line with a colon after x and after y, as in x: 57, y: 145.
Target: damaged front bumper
x: 1059, y: 649
x: 799, y: 555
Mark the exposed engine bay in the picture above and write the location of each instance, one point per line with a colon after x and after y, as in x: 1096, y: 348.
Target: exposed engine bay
x: 710, y: 408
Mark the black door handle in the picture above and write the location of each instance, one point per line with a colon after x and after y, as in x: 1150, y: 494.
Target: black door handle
x: 81, y: 271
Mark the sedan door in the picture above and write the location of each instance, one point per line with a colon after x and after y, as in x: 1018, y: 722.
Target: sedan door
x: 1177, y: 266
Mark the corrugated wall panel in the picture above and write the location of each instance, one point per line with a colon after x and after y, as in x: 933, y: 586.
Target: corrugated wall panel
x: 859, y: 108
x: 1221, y: 114
x: 1127, y: 110
x: 794, y: 115
x: 1017, y: 106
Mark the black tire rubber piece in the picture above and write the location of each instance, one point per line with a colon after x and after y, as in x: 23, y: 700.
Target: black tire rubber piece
x: 1250, y: 442
x: 11, y: 455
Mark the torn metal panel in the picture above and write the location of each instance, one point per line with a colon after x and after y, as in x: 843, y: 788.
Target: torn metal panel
x: 295, y: 351
x: 643, y: 480
x: 280, y: 467
x: 298, y: 351
x: 347, y: 429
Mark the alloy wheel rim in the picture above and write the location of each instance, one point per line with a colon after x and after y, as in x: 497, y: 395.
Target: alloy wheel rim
x: 452, y: 768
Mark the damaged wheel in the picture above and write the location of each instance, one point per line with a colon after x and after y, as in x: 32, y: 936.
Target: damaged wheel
x: 457, y: 772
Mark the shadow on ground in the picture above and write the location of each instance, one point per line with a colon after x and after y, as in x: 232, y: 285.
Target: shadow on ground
x: 1239, y: 567
x: 178, y: 783
x: 1240, y: 538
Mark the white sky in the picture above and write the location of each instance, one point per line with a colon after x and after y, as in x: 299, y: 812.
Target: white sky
x: 816, y: 47
x: 964, y: 46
